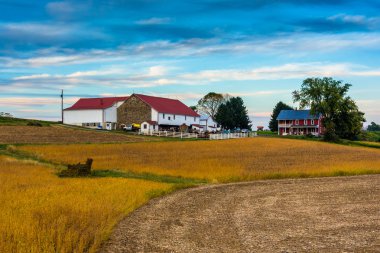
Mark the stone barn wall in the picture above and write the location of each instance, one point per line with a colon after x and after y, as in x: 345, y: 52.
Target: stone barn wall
x: 133, y: 110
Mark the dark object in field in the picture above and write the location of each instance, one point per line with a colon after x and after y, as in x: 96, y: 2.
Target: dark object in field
x: 77, y: 170
x: 34, y: 124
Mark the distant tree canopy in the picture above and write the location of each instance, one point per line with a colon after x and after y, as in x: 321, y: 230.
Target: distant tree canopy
x: 6, y: 115
x: 273, y: 123
x: 210, y: 103
x: 194, y: 108
x: 341, y: 115
x: 373, y: 127
x: 233, y: 114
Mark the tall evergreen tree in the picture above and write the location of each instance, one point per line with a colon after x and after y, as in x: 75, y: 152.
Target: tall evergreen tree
x: 273, y: 123
x: 233, y: 114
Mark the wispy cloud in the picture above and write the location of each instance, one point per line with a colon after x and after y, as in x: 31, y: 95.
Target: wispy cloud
x: 28, y: 102
x: 290, y: 45
x: 355, y: 19
x: 154, y: 21
x: 161, y: 76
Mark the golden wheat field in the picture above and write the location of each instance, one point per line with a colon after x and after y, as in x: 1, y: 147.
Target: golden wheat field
x: 40, y: 212
x: 221, y: 161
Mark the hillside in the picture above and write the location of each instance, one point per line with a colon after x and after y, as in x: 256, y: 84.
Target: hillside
x: 10, y: 121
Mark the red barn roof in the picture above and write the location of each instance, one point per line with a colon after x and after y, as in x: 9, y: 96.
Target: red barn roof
x: 95, y: 103
x: 167, y: 105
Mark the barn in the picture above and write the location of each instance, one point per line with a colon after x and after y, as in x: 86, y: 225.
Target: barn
x: 94, y: 112
x: 155, y: 112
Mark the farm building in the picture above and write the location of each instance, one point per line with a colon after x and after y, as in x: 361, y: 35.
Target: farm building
x: 155, y: 113
x: 207, y: 123
x: 94, y: 112
x: 299, y: 122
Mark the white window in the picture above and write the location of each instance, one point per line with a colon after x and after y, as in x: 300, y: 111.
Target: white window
x: 163, y: 115
x: 305, y: 122
x: 297, y: 122
x: 145, y: 126
x: 312, y: 122
x: 185, y: 117
x: 168, y: 118
x: 174, y: 117
x: 195, y: 119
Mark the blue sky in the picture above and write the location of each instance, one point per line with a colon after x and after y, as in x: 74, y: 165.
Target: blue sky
x: 259, y: 50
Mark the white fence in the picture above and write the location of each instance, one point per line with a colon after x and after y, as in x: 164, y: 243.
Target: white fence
x: 228, y: 136
x: 170, y: 134
x: 221, y: 136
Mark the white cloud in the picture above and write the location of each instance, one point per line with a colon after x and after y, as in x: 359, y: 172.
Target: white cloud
x: 96, y: 73
x: 154, y: 21
x: 160, y: 76
x: 46, y: 30
x: 286, y: 71
x: 32, y: 101
x: 65, y: 9
x: 157, y: 71
x: 355, y: 19
x: 290, y: 45
x: 37, y: 76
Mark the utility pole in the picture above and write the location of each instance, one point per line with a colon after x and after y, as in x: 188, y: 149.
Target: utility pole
x: 62, y: 105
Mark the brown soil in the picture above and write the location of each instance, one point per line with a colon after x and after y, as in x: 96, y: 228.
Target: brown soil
x: 340, y: 214
x: 60, y: 134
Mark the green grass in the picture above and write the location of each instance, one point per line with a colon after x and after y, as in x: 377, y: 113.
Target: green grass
x: 8, y: 121
x: 147, y: 176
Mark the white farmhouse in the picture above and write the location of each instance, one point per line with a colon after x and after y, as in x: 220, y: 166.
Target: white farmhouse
x: 94, y: 112
x: 207, y: 123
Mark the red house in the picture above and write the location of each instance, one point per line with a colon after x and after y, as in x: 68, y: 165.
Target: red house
x: 299, y: 122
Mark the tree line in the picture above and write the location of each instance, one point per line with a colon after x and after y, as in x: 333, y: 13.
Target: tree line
x: 325, y: 96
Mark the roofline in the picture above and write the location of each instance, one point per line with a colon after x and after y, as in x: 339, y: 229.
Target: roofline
x: 80, y: 109
x: 137, y: 95
x: 68, y: 109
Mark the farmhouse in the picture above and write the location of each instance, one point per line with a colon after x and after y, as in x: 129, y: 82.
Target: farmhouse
x: 154, y: 113
x: 94, y: 112
x: 299, y: 122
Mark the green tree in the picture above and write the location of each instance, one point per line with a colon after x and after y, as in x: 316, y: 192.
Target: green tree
x: 210, y: 103
x: 233, y: 114
x: 373, y: 127
x: 273, y: 123
x: 326, y: 96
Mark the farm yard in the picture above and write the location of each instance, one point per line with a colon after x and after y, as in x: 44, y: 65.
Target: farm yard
x: 41, y: 212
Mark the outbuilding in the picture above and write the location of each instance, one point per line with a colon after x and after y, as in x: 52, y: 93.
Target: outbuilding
x: 94, y: 112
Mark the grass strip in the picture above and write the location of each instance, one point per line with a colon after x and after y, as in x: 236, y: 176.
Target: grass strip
x: 148, y: 177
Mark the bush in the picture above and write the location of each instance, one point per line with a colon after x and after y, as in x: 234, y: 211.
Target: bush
x: 34, y: 124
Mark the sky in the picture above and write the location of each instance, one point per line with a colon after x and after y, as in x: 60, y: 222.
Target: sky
x: 260, y: 50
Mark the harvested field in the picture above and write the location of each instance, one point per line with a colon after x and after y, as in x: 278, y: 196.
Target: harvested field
x: 60, y: 134
x: 338, y: 214
x: 222, y: 161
